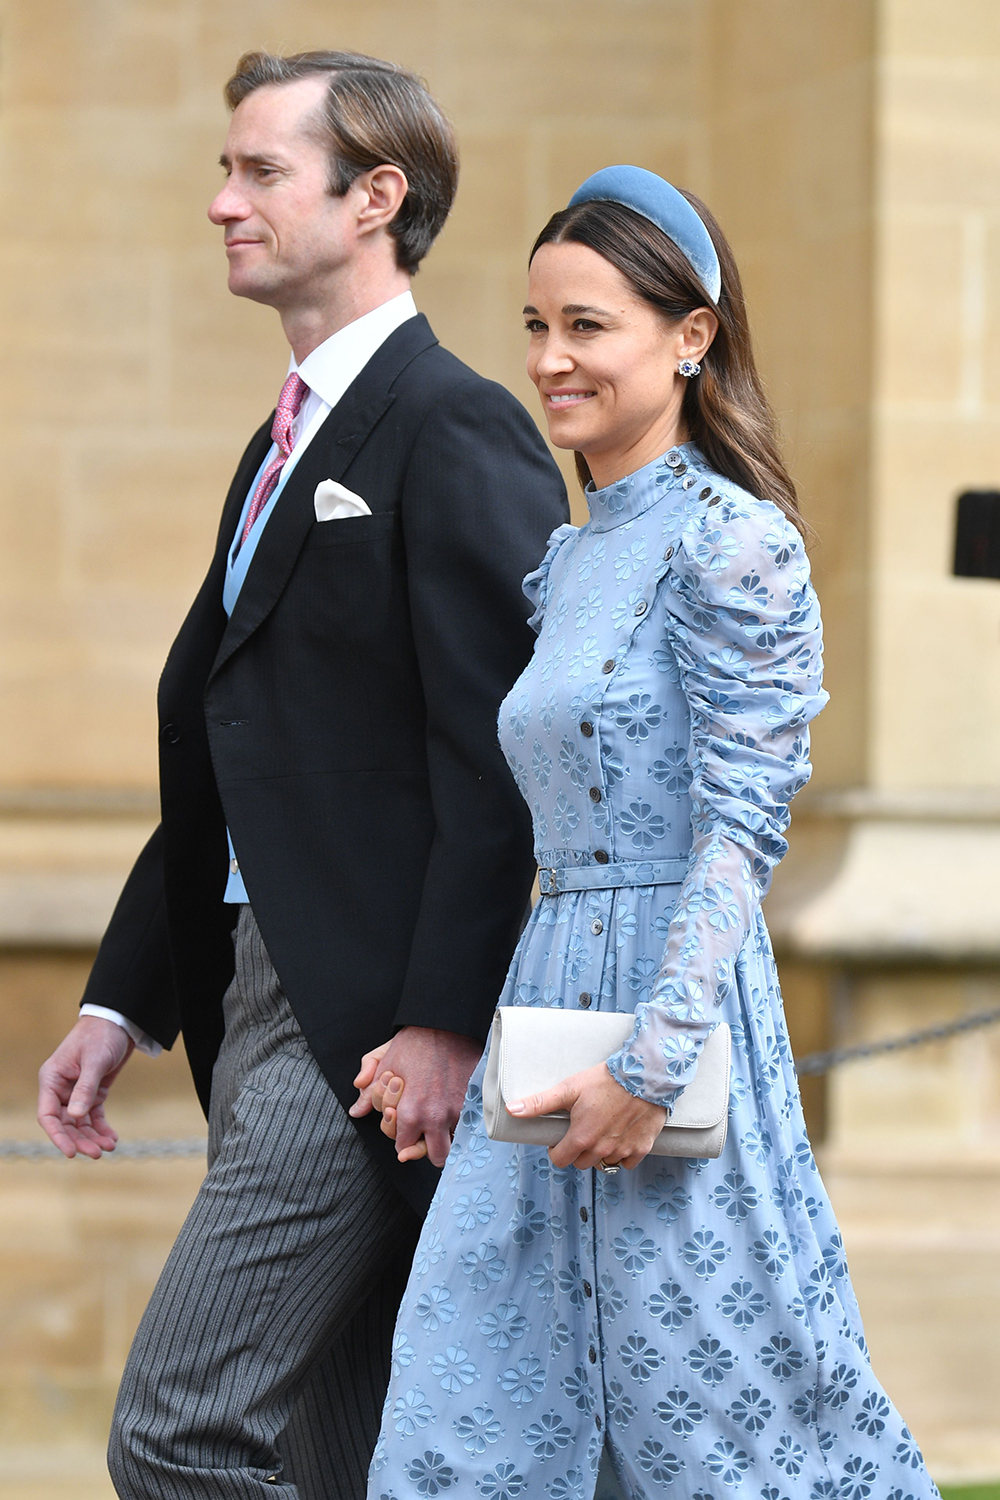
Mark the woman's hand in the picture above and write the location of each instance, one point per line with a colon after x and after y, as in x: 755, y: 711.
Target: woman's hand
x: 382, y: 1091
x: 370, y: 1085
x: 390, y: 1103
x: 607, y: 1125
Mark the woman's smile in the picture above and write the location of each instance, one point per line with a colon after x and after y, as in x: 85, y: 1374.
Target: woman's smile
x: 568, y: 398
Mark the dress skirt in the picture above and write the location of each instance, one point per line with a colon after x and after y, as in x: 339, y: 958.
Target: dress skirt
x: 696, y: 1317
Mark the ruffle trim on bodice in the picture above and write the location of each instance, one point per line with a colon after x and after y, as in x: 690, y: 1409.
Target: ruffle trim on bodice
x: 536, y: 585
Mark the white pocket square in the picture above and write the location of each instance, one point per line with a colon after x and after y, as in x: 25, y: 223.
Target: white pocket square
x: 335, y: 502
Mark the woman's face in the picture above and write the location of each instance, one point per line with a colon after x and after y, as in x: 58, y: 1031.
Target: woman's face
x: 605, y: 361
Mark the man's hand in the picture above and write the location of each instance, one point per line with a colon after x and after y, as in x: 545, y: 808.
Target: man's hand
x: 73, y: 1085
x: 607, y: 1124
x: 436, y: 1067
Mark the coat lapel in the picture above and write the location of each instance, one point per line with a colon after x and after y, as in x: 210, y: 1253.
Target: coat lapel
x: 327, y: 457
x: 242, y: 479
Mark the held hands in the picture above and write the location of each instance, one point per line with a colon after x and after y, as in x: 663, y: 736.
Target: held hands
x: 436, y: 1066
x: 607, y: 1125
x: 380, y: 1091
x: 73, y: 1085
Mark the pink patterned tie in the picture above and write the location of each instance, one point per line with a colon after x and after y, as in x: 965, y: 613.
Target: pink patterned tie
x: 292, y: 394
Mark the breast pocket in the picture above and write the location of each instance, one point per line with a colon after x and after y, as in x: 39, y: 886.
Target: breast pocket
x: 351, y: 531
x: 348, y: 570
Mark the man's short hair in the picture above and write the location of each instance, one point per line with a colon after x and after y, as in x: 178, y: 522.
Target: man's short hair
x: 375, y: 114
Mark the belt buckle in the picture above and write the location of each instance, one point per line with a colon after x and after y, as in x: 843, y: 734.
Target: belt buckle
x: 548, y: 882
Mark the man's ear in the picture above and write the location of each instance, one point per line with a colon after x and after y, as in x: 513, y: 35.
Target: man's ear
x: 381, y: 193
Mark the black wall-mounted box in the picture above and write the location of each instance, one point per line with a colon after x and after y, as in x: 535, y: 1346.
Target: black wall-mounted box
x: 977, y: 534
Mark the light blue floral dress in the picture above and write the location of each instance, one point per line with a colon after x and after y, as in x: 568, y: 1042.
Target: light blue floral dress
x: 694, y: 1318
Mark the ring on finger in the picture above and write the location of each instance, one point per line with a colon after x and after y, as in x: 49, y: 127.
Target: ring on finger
x: 610, y: 1167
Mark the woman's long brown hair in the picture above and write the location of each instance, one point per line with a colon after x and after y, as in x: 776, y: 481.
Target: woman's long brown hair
x: 726, y: 412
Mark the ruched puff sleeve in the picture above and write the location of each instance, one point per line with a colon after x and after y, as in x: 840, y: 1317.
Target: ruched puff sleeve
x: 536, y: 584
x: 743, y: 622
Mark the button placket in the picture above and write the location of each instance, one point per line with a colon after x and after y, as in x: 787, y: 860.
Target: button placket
x: 588, y: 1271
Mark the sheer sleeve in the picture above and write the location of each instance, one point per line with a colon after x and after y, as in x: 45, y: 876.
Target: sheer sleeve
x: 743, y: 622
x: 536, y: 584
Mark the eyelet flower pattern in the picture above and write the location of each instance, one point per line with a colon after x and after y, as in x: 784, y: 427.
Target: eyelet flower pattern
x: 694, y: 1317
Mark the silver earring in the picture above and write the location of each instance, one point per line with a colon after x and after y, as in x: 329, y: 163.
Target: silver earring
x: 689, y: 367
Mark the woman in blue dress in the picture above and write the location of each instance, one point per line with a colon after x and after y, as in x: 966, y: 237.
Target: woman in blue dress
x: 692, y: 1319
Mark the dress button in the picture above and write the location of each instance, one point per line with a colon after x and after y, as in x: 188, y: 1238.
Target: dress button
x: 585, y: 1000
x: 668, y: 554
x: 641, y: 607
x: 584, y: 1215
x: 704, y: 494
x: 588, y: 1290
x: 609, y: 666
x: 586, y: 729
x: 674, y: 457
x: 592, y: 1355
x: 597, y: 1420
x: 597, y: 926
x: 601, y: 856
x: 234, y: 867
x: 594, y: 794
x: 680, y: 468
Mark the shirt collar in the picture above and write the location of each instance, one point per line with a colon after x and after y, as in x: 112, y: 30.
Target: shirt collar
x: 338, y: 361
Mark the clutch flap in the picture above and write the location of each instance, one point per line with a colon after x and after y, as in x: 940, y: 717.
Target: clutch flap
x: 538, y: 1048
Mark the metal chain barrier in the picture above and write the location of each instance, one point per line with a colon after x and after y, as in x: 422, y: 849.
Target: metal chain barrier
x: 43, y: 1150
x: 822, y: 1062
x: 809, y: 1066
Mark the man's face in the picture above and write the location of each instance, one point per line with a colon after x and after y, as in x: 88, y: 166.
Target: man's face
x: 286, y: 235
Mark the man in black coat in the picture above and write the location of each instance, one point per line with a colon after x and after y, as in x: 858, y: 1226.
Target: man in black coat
x: 331, y: 788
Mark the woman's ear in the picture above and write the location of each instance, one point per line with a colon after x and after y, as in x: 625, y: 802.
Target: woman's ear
x: 697, y: 332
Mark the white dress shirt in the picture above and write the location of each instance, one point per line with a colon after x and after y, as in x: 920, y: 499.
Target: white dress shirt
x: 327, y: 371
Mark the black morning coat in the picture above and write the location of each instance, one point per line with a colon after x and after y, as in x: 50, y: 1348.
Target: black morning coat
x: 343, y: 725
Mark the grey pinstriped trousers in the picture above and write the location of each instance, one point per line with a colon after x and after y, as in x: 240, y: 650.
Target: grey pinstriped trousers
x: 260, y: 1365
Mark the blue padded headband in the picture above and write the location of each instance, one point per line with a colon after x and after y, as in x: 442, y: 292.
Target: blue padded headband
x: 662, y: 205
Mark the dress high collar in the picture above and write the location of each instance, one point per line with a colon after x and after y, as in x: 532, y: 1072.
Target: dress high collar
x: 674, y: 473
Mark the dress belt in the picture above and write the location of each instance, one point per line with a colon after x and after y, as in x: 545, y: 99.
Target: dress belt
x: 552, y: 881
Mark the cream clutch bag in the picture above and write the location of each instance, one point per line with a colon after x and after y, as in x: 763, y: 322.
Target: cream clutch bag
x: 533, y: 1049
